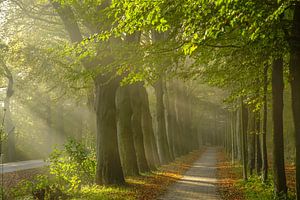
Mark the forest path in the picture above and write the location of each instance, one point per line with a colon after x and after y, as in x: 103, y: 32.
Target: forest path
x: 199, y: 182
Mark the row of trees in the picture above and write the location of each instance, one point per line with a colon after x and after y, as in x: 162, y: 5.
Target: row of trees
x: 237, y: 46
x: 73, y: 61
x: 236, y: 43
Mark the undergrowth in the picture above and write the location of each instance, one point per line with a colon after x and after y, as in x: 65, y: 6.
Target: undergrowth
x: 255, y: 189
x: 71, y: 176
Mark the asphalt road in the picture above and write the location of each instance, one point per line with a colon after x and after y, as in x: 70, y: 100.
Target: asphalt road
x: 22, y: 165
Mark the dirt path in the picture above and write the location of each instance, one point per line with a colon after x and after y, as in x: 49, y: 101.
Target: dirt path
x: 199, y: 182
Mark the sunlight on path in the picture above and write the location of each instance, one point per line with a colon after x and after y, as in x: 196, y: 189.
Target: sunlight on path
x: 199, y: 182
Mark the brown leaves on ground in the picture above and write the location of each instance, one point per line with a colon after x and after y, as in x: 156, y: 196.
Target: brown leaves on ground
x: 12, y: 179
x: 149, y: 187
x: 290, y: 171
x: 227, y: 177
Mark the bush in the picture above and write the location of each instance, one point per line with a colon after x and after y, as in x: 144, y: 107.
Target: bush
x: 72, y: 166
x: 70, y: 169
x: 40, y: 188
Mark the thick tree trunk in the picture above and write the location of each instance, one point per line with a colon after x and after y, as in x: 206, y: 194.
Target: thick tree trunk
x: 109, y: 170
x: 264, y: 131
x: 136, y: 121
x: 295, y: 86
x: 278, y: 145
x: 163, y: 146
x: 149, y: 138
x: 125, y: 133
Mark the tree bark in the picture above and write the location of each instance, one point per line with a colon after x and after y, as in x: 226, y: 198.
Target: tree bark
x: 169, y: 124
x: 232, y: 127
x: 264, y: 131
x: 163, y: 146
x: 136, y: 121
x: 177, y: 147
x: 278, y: 145
x: 108, y: 170
x: 258, y: 156
x: 149, y: 138
x: 295, y: 87
x: 252, y: 142
x: 125, y: 133
x: 238, y: 135
x: 244, y: 123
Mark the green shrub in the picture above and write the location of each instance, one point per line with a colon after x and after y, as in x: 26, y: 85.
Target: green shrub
x: 73, y: 166
x: 70, y: 169
x: 40, y: 188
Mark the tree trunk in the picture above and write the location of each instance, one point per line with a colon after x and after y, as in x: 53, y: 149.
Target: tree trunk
x: 9, y: 127
x: 252, y: 142
x: 163, y: 147
x: 278, y: 145
x: 232, y: 125
x: 177, y: 147
x: 125, y: 133
x: 238, y: 135
x: 295, y: 86
x: 108, y: 170
x: 170, y: 126
x: 149, y: 138
x: 244, y: 123
x: 181, y: 148
x: 136, y: 121
x: 264, y: 131
x: 258, y: 158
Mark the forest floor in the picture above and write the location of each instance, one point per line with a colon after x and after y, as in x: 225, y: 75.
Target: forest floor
x: 146, y: 187
x: 199, y: 182
x: 232, y: 187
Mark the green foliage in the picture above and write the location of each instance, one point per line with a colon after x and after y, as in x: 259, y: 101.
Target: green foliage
x: 73, y: 166
x: 255, y: 189
x: 40, y: 188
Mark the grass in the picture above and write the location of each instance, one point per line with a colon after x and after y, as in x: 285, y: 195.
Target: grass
x: 105, y: 193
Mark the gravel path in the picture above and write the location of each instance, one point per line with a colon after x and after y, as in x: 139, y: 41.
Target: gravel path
x: 199, y: 182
